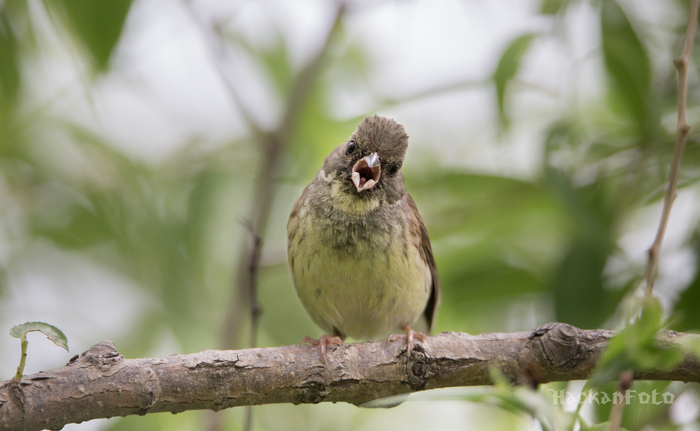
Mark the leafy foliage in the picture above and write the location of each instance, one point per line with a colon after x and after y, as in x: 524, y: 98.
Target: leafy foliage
x: 627, y: 63
x: 507, y: 69
x: 686, y: 306
x: 9, y: 67
x: 97, y: 25
x: 636, y: 347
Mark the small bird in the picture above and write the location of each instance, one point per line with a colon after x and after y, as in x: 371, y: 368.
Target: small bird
x: 358, y: 250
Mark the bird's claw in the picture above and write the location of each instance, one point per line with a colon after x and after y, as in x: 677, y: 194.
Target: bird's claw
x: 409, y: 336
x: 324, y: 340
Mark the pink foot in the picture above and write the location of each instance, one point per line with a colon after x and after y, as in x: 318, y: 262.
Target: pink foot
x: 410, y: 335
x: 323, y: 341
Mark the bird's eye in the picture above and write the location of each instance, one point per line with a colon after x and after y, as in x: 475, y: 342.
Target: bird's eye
x: 394, y: 169
x: 351, y: 147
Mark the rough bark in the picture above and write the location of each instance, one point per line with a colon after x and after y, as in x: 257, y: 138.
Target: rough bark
x: 100, y: 383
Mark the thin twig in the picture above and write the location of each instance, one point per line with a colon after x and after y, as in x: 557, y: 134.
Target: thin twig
x: 255, y: 309
x: 255, y: 242
x: 274, y: 144
x: 219, y: 53
x: 681, y: 133
x: 616, y: 411
x: 436, y: 91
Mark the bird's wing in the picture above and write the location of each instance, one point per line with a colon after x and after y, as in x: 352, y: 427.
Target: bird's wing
x: 293, y: 228
x: 427, y: 254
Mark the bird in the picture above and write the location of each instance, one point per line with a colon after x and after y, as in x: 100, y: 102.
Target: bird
x: 358, y: 249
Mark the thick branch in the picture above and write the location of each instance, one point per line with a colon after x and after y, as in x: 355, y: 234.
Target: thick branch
x: 101, y: 383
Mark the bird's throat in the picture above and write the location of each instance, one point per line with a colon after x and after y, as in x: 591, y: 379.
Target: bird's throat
x: 352, y: 203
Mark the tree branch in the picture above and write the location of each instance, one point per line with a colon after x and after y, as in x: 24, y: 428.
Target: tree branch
x: 682, y: 131
x: 101, y: 383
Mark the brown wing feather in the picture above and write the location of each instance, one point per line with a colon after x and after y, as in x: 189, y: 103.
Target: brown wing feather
x: 293, y: 226
x: 427, y: 253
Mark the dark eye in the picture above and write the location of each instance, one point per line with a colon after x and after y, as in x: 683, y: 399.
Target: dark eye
x: 351, y: 147
x: 394, y: 169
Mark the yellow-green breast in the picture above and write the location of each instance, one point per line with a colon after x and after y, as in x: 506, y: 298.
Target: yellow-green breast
x: 362, y: 277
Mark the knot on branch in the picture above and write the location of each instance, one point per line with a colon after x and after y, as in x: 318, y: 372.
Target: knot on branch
x: 313, y: 390
x: 558, y: 343
x: 419, y: 368
x: 102, y: 356
x: 680, y: 63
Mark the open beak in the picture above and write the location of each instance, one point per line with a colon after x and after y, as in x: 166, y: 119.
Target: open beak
x: 366, y: 172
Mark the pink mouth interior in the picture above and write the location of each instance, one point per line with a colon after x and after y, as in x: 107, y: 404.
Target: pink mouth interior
x: 363, y: 176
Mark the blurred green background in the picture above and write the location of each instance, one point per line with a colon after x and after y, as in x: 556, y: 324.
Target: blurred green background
x: 138, y: 139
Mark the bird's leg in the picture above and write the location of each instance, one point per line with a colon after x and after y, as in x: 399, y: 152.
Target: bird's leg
x: 323, y: 341
x: 409, y: 336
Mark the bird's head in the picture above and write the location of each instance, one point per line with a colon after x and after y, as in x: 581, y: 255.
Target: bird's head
x: 367, y: 167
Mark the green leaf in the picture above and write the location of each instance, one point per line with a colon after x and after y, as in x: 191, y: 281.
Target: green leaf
x: 551, y: 7
x: 691, y: 344
x: 86, y: 227
x: 53, y: 333
x: 688, y: 301
x: 9, y: 61
x: 97, y: 25
x: 507, y: 68
x: 636, y: 347
x: 580, y: 298
x: 626, y: 62
x: 498, y: 378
